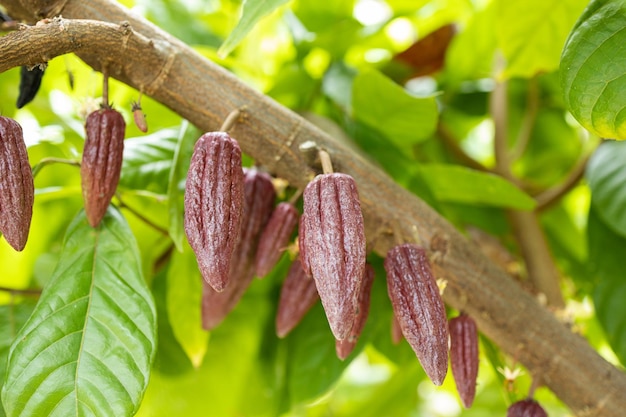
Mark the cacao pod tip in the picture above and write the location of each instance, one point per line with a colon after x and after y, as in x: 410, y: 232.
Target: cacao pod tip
x: 526, y: 408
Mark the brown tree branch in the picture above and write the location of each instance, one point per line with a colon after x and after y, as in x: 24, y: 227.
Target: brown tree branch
x: 554, y: 194
x: 152, y: 61
x: 540, y: 267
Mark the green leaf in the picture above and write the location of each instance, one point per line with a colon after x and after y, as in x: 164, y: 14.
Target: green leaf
x: 385, y: 106
x: 593, y: 69
x: 178, y: 172
x: 12, y: 318
x: 184, y: 297
x: 453, y: 183
x: 606, y: 256
x: 531, y: 33
x: 606, y: 174
x: 148, y: 160
x: 88, y: 346
x: 253, y: 11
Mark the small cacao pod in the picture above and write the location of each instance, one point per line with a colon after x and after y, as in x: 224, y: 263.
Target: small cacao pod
x: 17, y: 189
x: 30, y: 81
x: 419, y: 308
x: 102, y: 161
x: 464, y: 356
x: 214, y: 204
x: 275, y: 237
x: 332, y: 246
x: 259, y: 196
x: 139, y: 117
x: 297, y: 296
x: 343, y: 348
x: 526, y: 408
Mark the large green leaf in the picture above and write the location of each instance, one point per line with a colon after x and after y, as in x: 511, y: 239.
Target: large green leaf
x: 453, y: 183
x: 148, y: 160
x: 178, y: 172
x: 87, y: 348
x: 606, y: 256
x: 606, y: 174
x: 184, y: 296
x: 12, y: 318
x: 593, y: 69
x: 385, y: 106
x: 253, y: 11
x: 531, y: 33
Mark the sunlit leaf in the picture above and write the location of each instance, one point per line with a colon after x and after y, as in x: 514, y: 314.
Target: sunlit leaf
x: 606, y: 255
x: 88, y: 346
x: 531, y: 33
x: 385, y: 106
x: 593, y: 69
x: 606, y: 173
x: 457, y: 184
x: 184, y: 296
x: 148, y: 160
x: 252, y: 12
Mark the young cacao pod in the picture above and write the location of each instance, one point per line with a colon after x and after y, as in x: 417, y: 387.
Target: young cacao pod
x: 418, y: 307
x: 343, y: 348
x: 396, y: 331
x: 526, y: 408
x: 30, y: 81
x: 332, y: 246
x: 102, y: 161
x: 17, y: 189
x: 297, y: 296
x: 275, y: 237
x: 464, y: 356
x: 259, y: 196
x: 214, y: 204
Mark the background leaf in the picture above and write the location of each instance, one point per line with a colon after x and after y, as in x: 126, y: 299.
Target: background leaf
x: 606, y: 173
x: 453, y: 183
x: 252, y: 12
x: 184, y: 295
x: 531, y: 33
x: 606, y: 256
x: 385, y: 106
x: 88, y: 346
x: 593, y: 69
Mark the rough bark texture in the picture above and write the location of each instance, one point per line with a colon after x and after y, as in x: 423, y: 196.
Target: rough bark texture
x: 149, y: 59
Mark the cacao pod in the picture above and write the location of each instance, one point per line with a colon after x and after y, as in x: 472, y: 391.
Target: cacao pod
x: 396, y: 331
x: 30, y: 81
x: 17, y: 189
x: 526, y: 408
x: 259, y: 196
x: 214, y: 198
x: 102, y: 161
x: 464, y: 356
x: 332, y: 246
x: 297, y: 296
x: 419, y: 308
x: 343, y: 348
x: 275, y: 237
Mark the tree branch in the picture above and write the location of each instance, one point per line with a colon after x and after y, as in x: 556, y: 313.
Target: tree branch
x: 152, y: 61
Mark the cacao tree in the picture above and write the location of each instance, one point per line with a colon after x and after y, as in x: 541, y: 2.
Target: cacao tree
x: 486, y: 133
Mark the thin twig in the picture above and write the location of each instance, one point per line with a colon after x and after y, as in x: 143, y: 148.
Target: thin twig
x: 530, y: 117
x: 230, y: 120
x: 49, y: 161
x: 327, y: 165
x: 450, y: 142
x: 21, y: 291
x: 552, y: 195
x: 141, y: 216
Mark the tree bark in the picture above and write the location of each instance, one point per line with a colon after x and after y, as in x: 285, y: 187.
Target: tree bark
x: 143, y: 56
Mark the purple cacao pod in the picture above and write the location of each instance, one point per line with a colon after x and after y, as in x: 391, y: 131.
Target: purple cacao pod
x: 332, y: 246
x: 419, y: 308
x: 526, y: 408
x: 275, y: 237
x: 464, y: 356
x: 214, y: 204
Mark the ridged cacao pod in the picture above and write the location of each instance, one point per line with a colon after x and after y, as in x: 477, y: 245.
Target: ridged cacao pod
x: 343, y: 348
x: 332, y: 246
x: 214, y: 204
x: 259, y: 196
x: 17, y: 189
x: 419, y: 308
x: 396, y: 331
x: 102, y: 161
x: 297, y: 296
x: 526, y: 408
x: 464, y: 356
x: 275, y: 237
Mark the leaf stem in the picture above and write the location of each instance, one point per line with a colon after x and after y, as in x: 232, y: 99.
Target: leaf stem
x: 327, y: 165
x: 140, y: 216
x: 51, y: 160
x: 552, y: 195
x: 530, y: 117
x: 21, y: 291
